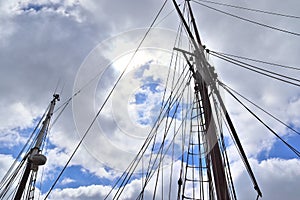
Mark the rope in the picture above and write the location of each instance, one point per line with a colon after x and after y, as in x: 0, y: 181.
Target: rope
x: 248, y: 20
x: 268, y: 127
x: 268, y: 113
x: 241, y: 64
x: 138, y: 157
x: 99, y: 111
x: 250, y: 9
x: 142, y: 151
x: 218, y: 112
x: 256, y: 60
x: 151, y: 174
x: 258, y: 68
x: 10, y: 175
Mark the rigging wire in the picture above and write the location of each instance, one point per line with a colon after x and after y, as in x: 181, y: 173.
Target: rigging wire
x: 144, y: 148
x: 257, y: 106
x: 179, y: 34
x: 5, y: 179
x: 200, y: 53
x: 200, y: 129
x: 234, y: 142
x: 68, y: 103
x: 268, y: 127
x: 173, y: 86
x: 101, y: 108
x: 173, y: 138
x: 150, y: 136
x: 60, y: 113
x: 12, y: 179
x: 162, y: 106
x: 182, y: 116
x: 147, y: 138
x: 256, y: 60
x: 241, y: 64
x: 249, y: 20
x: 98, y: 74
x: 46, y: 140
x: 183, y: 136
x: 172, y: 162
x: 170, y: 102
x: 250, y: 9
x: 258, y: 68
x: 218, y: 113
x: 168, y: 14
x: 160, y: 168
x: 64, y: 105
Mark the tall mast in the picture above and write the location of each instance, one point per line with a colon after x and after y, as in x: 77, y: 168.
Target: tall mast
x: 205, y: 81
x: 34, y: 157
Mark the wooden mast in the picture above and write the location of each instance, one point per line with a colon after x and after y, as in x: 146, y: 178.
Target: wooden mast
x: 205, y: 80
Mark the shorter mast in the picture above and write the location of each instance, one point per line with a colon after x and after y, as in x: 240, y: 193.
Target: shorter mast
x: 34, y: 156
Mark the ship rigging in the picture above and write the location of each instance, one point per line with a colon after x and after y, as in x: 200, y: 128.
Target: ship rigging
x: 191, y: 121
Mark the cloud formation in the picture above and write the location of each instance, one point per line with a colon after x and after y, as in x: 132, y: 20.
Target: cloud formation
x: 45, y: 42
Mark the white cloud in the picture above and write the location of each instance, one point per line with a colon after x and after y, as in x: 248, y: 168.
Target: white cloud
x: 18, y: 118
x: 277, y: 178
x: 84, y: 192
x: 5, y: 163
x: 131, y: 191
x: 66, y: 181
x: 40, y: 46
x: 10, y: 138
x: 20, y: 115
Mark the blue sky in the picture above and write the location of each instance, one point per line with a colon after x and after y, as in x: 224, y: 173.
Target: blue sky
x: 45, y: 43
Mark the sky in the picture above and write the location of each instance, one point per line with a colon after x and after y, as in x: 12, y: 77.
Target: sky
x: 64, y: 44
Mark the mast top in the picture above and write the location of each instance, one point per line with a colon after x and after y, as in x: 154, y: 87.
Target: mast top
x: 56, y: 97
